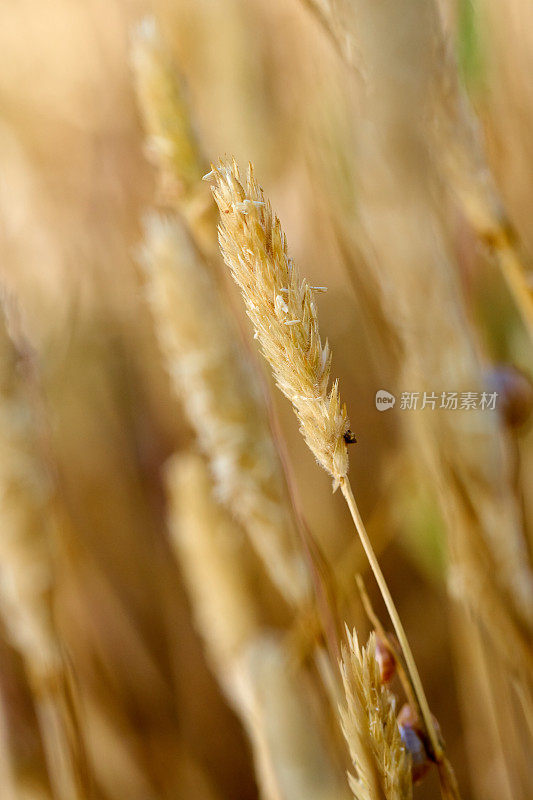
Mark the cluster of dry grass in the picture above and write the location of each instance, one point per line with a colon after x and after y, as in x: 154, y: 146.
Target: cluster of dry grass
x: 182, y: 606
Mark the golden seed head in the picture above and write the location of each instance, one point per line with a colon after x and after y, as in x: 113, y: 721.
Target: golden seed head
x: 380, y: 758
x: 283, y: 311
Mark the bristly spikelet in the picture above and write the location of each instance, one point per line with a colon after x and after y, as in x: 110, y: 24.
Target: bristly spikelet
x: 369, y: 718
x: 283, y: 311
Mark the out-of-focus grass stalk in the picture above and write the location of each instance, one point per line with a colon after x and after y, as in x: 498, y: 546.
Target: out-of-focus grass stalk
x: 401, y: 202
x: 471, y: 182
x: 222, y: 399
x: 464, y: 165
x: 27, y: 557
x: 251, y: 661
x: 458, y: 152
x: 330, y: 15
x: 7, y: 774
x: 172, y: 144
x: 461, y: 157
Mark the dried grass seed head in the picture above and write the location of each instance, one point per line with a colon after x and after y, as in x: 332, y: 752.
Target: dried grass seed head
x: 283, y: 311
x: 370, y: 716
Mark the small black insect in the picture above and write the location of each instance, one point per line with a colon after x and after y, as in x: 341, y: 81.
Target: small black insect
x: 349, y: 437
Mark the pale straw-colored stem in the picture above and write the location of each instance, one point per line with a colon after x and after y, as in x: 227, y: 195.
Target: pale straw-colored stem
x: 448, y: 782
x: 515, y: 276
x: 395, y: 619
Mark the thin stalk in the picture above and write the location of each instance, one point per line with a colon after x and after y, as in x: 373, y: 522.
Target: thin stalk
x: 395, y: 619
x: 515, y: 276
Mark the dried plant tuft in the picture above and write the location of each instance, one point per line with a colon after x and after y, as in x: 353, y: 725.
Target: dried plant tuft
x: 283, y: 311
x: 370, y: 728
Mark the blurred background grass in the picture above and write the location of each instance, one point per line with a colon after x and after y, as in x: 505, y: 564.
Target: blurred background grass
x: 265, y: 84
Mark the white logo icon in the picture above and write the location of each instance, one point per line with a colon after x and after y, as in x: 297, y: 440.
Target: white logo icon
x: 384, y: 400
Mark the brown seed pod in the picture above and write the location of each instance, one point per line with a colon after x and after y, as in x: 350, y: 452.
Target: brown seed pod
x: 385, y: 659
x: 515, y: 393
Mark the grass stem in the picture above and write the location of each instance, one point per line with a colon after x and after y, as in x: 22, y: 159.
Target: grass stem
x: 395, y: 619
